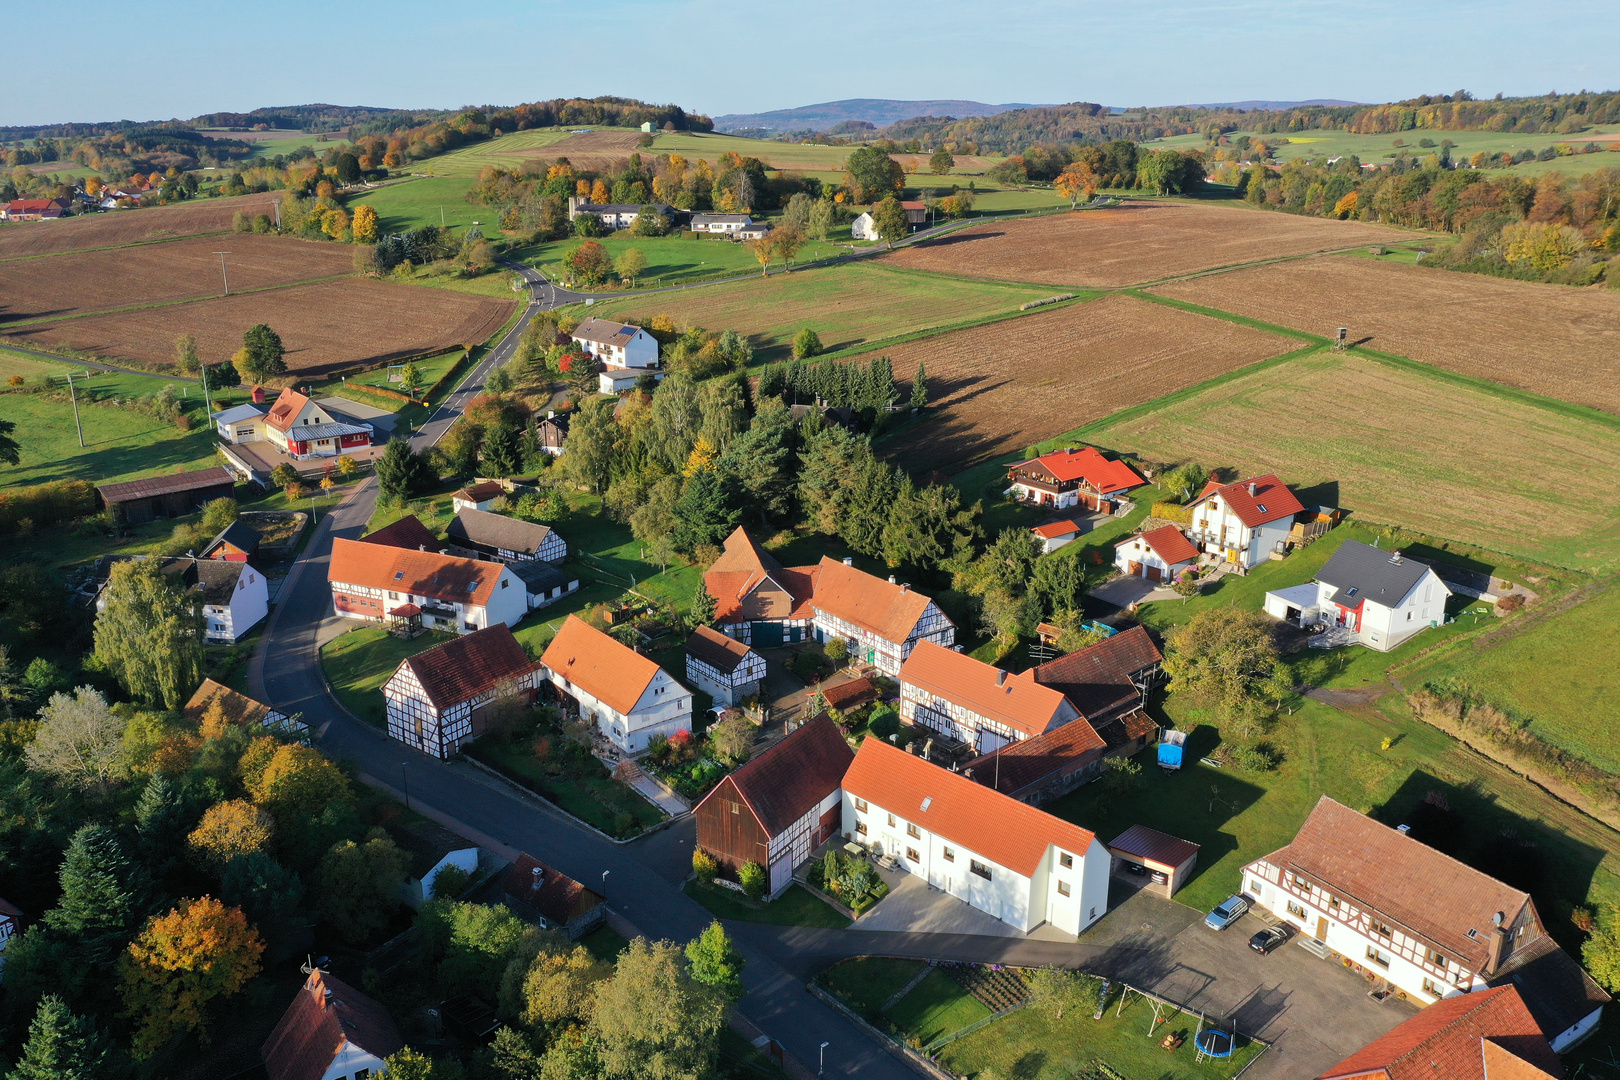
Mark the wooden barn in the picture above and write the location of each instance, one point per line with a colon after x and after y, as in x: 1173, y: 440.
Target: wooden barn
x: 435, y: 697
x: 777, y: 809
x: 177, y: 495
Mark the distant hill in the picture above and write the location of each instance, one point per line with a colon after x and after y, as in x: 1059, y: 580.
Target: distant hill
x: 1270, y: 105
x: 880, y: 112
x: 315, y: 117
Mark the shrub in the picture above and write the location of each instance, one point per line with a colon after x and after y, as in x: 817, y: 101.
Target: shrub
x: 704, y: 866
x: 450, y: 881
x: 1511, y: 602
x: 46, y: 504
x: 623, y: 822
x: 883, y: 722
x: 806, y: 343
x: 752, y: 878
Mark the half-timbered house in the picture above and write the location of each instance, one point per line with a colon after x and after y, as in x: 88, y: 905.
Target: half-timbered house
x: 975, y: 703
x: 241, y: 710
x: 436, y: 699
x: 373, y: 581
x: 330, y: 1031
x: 479, y: 534
x: 880, y: 621
x: 723, y: 667
x: 1108, y: 682
x: 624, y: 695
x: 408, y: 533
x: 1490, y: 1035
x: 780, y: 807
x: 1080, y: 477
x: 756, y: 599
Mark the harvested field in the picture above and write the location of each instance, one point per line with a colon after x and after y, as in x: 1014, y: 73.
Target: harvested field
x: 1415, y: 453
x: 1550, y: 339
x: 1134, y: 243
x: 128, y: 226
x: 593, y: 150
x: 327, y: 326
x: 87, y: 281
x: 1004, y: 386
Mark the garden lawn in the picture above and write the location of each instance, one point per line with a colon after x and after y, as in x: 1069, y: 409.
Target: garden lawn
x: 867, y: 982
x: 604, y: 943
x: 410, y: 204
x: 1029, y: 1045
x: 796, y: 907
x: 935, y: 1007
x: 594, y: 799
x: 361, y: 660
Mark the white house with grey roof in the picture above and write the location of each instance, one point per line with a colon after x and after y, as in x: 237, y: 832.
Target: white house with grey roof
x: 1381, y: 597
x: 616, y: 344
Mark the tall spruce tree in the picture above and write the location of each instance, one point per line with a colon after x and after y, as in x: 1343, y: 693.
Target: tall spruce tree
x: 100, y: 901
x: 64, y: 1046
x: 919, y: 388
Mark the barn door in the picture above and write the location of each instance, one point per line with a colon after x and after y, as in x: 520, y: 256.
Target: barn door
x: 781, y: 872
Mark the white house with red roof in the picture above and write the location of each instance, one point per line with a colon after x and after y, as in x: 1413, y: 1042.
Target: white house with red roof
x: 1158, y: 554
x: 1076, y: 476
x: 1243, y: 523
x: 1055, y: 534
x: 1006, y: 858
x: 976, y: 703
x: 301, y: 428
x: 757, y: 600
x: 623, y: 694
x: 375, y: 582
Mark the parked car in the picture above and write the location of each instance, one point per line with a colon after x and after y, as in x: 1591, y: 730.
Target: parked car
x: 1268, y: 939
x: 1226, y: 913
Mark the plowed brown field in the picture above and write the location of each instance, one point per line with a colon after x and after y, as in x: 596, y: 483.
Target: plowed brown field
x: 593, y: 150
x: 188, y: 269
x: 1550, y: 339
x: 128, y: 226
x: 1001, y: 387
x: 1133, y: 243
x: 328, y: 326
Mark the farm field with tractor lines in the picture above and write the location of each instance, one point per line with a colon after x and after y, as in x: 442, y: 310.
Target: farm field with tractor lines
x: 79, y: 283
x: 193, y: 218
x: 1555, y: 340
x: 798, y: 157
x: 327, y: 326
x: 1134, y: 243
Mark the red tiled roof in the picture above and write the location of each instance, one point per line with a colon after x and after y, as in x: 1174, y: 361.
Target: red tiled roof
x: 747, y: 583
x: 326, y: 1014
x: 1097, y: 678
x: 849, y: 695
x: 467, y: 666
x: 1087, y: 463
x: 442, y: 577
x: 1383, y: 870
x: 1015, y: 700
x: 559, y: 898
x: 1446, y: 1042
x: 238, y: 708
x: 888, y: 610
x: 1269, y: 501
x: 599, y: 665
x: 166, y: 485
x: 790, y: 779
x: 1153, y: 846
x: 286, y: 409
x: 408, y: 532
x: 1055, y: 529
x: 986, y: 822
x: 1168, y: 543
x: 489, y: 489
x: 716, y: 649
x: 1017, y: 765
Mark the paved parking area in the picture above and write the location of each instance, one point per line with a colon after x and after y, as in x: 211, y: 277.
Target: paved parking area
x: 1126, y: 590
x: 916, y: 907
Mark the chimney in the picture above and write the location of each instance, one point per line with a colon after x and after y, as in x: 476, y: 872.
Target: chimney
x: 1254, y: 489
x: 1499, y: 944
x: 1001, y: 678
x: 905, y: 586
x: 891, y: 579
x: 551, y: 414
x: 537, y: 878
x: 849, y: 561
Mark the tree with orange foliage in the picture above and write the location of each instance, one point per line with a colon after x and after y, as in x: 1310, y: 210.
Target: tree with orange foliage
x: 1076, y: 180
x: 230, y: 829
x: 600, y: 193
x: 365, y: 225
x: 199, y: 951
x: 325, y: 190
x: 764, y: 250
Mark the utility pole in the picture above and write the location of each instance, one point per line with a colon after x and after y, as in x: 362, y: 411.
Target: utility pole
x: 441, y: 215
x: 222, y: 273
x: 207, y: 400
x: 75, y: 396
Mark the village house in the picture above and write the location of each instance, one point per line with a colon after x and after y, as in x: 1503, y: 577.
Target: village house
x: 616, y: 344
x: 552, y: 432
x: 545, y: 895
x: 373, y: 581
x: 431, y: 848
x: 756, y: 600
x: 331, y: 1031
x: 1243, y: 523
x: 236, y: 542
x: 723, y: 667
x: 721, y: 224
x: 1080, y: 477
x: 617, y: 215
x: 1381, y: 597
x: 438, y: 700
x: 241, y: 710
x: 408, y: 533
x: 1056, y: 534
x: 1157, y: 555
x: 619, y: 380
x: 545, y: 583
x: 754, y: 230
x: 301, y: 428
x: 1039, y: 769
x: 880, y: 621
x: 480, y: 496
x: 34, y: 209
x: 1406, y: 915
x: 1010, y: 860
x: 1489, y: 1035
x: 479, y: 534
x: 235, y: 596
x: 242, y: 423
x: 974, y: 703
x: 175, y: 495
x: 779, y: 808
x: 621, y: 693
x: 11, y: 920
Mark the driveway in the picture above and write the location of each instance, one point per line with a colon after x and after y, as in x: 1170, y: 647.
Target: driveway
x: 1128, y: 589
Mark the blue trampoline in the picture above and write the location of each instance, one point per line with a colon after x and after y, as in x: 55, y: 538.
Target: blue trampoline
x: 1215, y: 1044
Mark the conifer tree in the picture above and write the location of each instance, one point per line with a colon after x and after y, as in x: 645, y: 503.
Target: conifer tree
x: 919, y: 388
x: 99, y: 904
x: 64, y: 1046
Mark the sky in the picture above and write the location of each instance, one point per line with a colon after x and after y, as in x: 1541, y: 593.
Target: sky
x: 183, y: 58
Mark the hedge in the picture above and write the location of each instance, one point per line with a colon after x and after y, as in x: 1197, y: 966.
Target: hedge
x: 46, y: 504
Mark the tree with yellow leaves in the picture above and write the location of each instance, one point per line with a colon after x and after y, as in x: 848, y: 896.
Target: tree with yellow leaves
x: 297, y: 781
x: 763, y: 248
x: 334, y: 223
x: 600, y: 193
x: 365, y: 225
x: 230, y: 829
x: 702, y: 456
x: 1346, y: 207
x: 1074, y: 181
x: 199, y: 951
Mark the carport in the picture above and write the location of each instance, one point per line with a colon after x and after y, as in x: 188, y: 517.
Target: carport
x: 1167, y: 861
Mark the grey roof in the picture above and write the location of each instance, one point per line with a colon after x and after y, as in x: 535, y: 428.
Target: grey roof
x: 716, y: 219
x: 1362, y: 572
x: 215, y: 579
x: 623, y: 208
x: 498, y: 531
x: 248, y: 411
x: 240, y: 536
x: 605, y: 332
x: 540, y: 577
x: 1556, y: 989
x: 306, y: 432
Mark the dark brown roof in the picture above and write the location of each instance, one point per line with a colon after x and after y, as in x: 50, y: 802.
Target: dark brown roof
x: 326, y: 1014
x: 1153, y: 846
x: 559, y: 898
x: 409, y: 533
x: 498, y: 530
x: 11, y: 911
x: 1384, y: 871
x: 239, y: 708
x: 715, y: 649
x: 243, y: 538
x: 467, y: 666
x: 1134, y: 725
x: 1018, y: 765
x: 427, y: 844
x: 788, y: 780
x: 1444, y: 1042
x: 194, y: 480
x: 1558, y: 990
x: 1097, y: 678
x: 489, y: 489
x: 851, y: 694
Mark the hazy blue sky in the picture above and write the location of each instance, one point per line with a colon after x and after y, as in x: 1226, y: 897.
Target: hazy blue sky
x: 178, y: 59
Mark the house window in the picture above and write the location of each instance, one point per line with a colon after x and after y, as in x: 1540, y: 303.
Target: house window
x: 950, y: 854
x: 1063, y: 888
x: 1383, y: 930
x: 1300, y: 883
x: 860, y: 804
x: 362, y: 1074
x: 979, y: 868
x: 504, y: 583
x: 911, y: 853
x: 1065, y: 861
x: 1437, y: 960
x: 736, y: 808
x: 1377, y: 956
x: 1256, y: 886
x: 1297, y: 910
x: 891, y: 821
x: 1333, y: 902
x: 1432, y: 988
x: 913, y: 832
x: 860, y: 828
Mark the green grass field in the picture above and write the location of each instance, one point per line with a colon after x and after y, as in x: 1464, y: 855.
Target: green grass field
x: 675, y: 260
x: 1463, y: 461
x: 849, y: 306
x: 361, y: 660
x: 866, y: 983
x: 506, y: 151
x: 12, y: 363
x: 426, y: 200
x: 936, y: 1007
x: 796, y: 907
x: 1381, y: 148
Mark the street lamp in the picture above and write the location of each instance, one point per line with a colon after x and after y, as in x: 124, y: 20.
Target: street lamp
x: 821, y: 1066
x: 405, y: 783
x: 605, y: 873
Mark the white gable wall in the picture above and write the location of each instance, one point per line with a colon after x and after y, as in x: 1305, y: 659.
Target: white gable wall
x: 664, y: 708
x: 349, y: 1060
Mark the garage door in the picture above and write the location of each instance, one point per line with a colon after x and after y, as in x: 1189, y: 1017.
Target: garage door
x: 1153, y: 573
x: 766, y: 635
